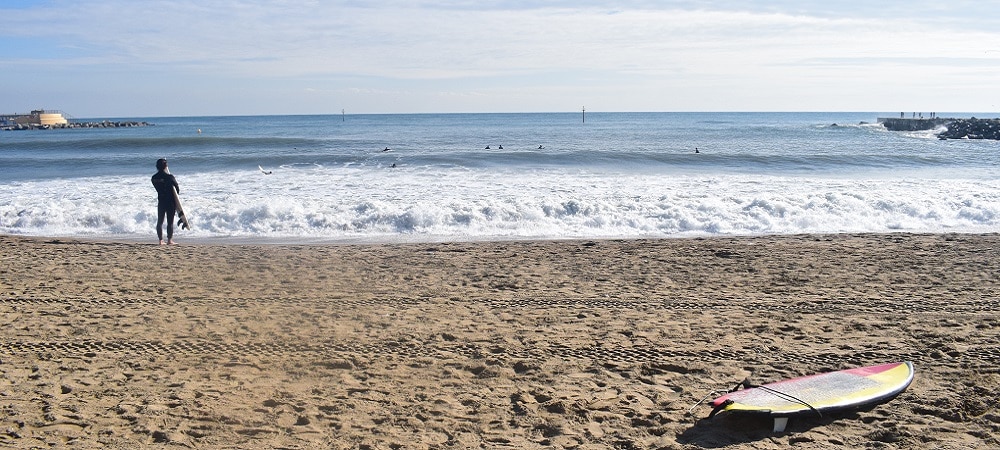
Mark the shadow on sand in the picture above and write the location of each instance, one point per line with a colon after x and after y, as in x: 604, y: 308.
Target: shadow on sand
x: 729, y: 429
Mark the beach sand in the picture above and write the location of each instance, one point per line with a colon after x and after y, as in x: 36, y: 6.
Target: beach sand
x: 569, y: 344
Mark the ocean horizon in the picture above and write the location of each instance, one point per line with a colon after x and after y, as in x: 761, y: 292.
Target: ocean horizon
x: 499, y: 176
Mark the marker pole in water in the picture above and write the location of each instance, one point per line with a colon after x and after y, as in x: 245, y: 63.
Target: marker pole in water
x: 584, y: 114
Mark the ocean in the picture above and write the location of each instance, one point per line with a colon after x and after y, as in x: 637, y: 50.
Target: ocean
x: 461, y: 177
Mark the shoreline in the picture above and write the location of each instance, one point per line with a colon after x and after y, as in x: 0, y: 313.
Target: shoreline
x: 588, y: 343
x: 423, y: 239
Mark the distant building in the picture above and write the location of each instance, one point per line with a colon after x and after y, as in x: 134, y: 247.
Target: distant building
x: 38, y: 117
x: 43, y: 117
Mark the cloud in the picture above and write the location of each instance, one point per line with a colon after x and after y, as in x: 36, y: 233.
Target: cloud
x: 472, y: 49
x: 448, y: 39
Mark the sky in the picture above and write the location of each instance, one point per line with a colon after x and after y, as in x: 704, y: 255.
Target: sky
x: 138, y: 58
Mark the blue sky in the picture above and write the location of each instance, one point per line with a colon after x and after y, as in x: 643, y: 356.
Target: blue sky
x: 134, y: 58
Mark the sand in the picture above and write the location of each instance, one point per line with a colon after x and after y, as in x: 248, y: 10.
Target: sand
x: 568, y: 344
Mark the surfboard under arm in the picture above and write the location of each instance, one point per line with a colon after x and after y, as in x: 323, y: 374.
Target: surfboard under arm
x: 181, y: 218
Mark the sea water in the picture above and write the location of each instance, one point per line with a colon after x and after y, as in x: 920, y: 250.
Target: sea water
x: 457, y: 177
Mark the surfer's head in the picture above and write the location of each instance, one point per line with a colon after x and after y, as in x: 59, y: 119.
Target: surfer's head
x: 161, y: 164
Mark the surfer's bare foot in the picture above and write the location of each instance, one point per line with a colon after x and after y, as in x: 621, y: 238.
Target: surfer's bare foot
x: 161, y: 241
x: 171, y: 242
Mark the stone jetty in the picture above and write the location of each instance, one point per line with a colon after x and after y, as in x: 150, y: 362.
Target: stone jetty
x: 73, y: 124
x: 921, y: 124
x: 48, y: 119
x: 972, y: 129
x: 952, y: 128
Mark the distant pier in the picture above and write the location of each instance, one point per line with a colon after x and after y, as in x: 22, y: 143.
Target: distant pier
x: 954, y: 128
x: 893, y: 124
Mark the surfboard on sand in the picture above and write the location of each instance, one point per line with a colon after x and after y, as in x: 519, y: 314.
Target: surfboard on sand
x: 181, y: 218
x: 820, y: 393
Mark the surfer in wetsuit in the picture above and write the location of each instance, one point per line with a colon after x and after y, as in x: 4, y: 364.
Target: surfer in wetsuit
x: 165, y: 183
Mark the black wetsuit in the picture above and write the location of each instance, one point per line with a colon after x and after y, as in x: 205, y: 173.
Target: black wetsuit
x: 165, y: 184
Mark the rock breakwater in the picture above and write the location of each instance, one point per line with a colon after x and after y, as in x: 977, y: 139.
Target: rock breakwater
x: 101, y: 124
x: 972, y: 129
x: 951, y: 128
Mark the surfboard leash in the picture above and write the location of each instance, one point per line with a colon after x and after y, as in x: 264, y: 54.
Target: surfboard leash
x: 720, y: 407
x: 746, y: 384
x: 705, y: 398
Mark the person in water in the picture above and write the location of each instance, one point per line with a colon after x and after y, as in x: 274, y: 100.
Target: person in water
x: 165, y: 183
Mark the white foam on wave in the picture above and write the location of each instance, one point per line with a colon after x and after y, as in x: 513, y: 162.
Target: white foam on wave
x: 926, y: 134
x: 384, y: 204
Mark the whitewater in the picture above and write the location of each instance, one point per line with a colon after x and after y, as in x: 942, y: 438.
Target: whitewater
x: 431, y: 177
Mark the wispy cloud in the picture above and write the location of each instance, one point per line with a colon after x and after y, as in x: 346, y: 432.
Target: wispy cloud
x: 503, y: 43
x: 448, y: 39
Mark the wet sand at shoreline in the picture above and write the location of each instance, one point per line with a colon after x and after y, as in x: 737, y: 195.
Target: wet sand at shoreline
x: 570, y: 344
